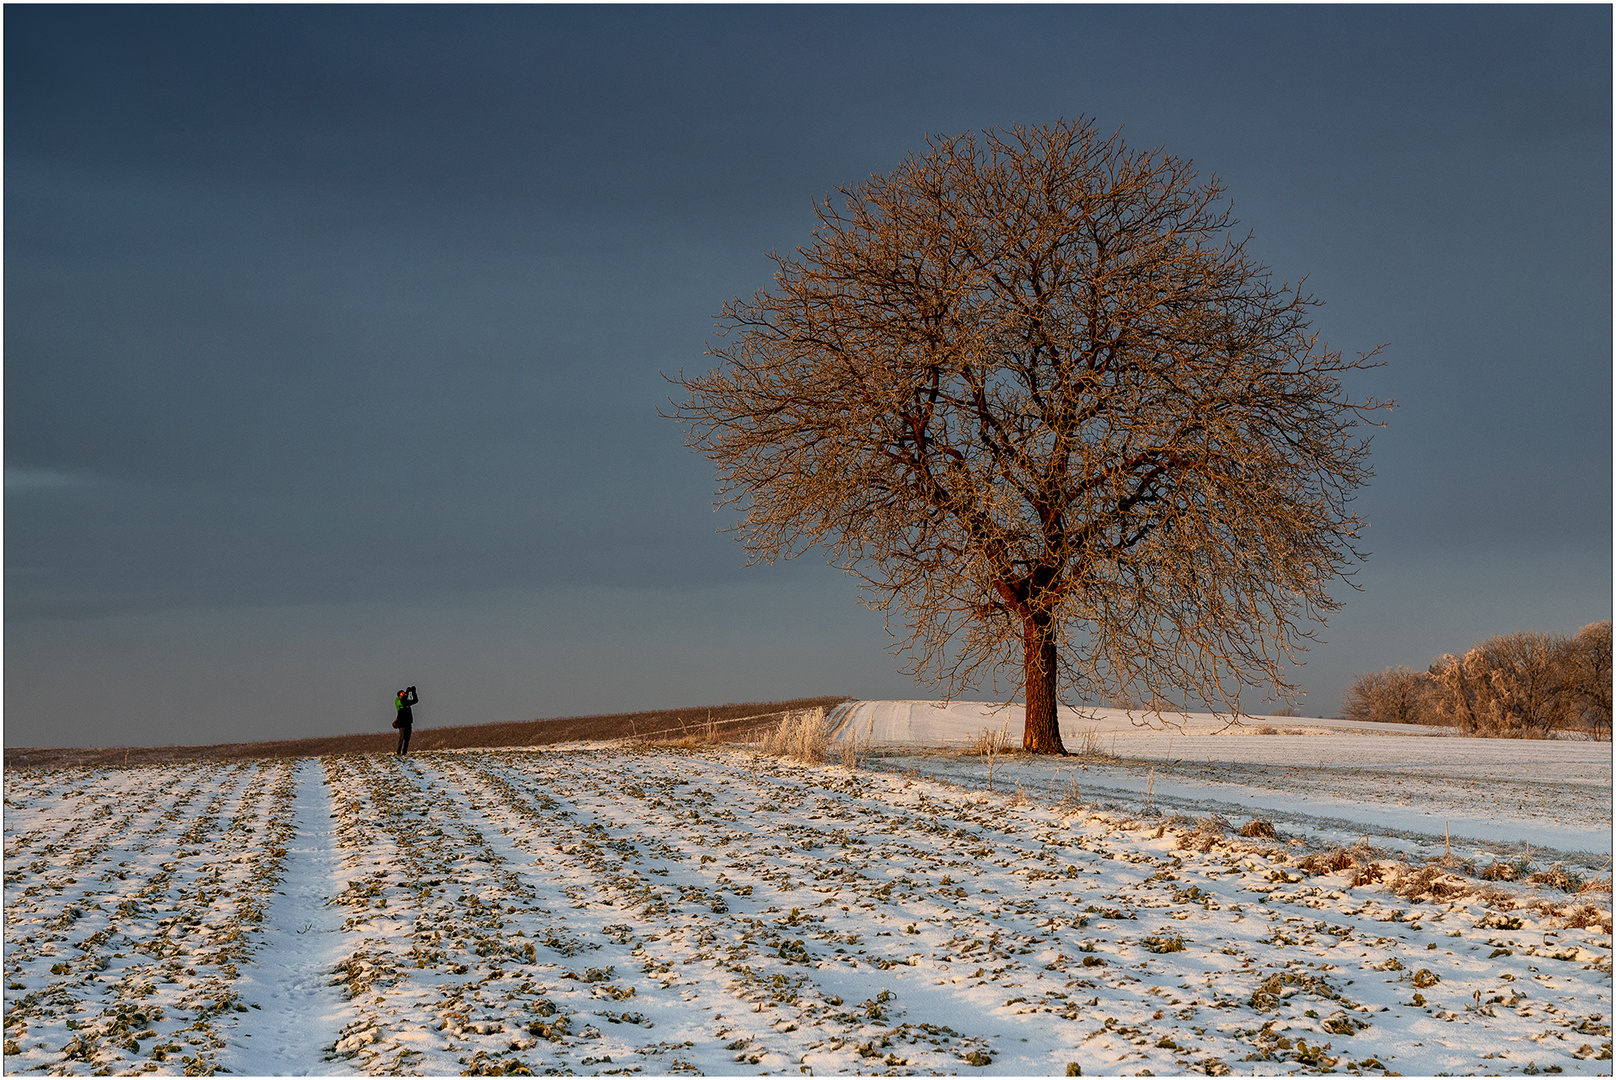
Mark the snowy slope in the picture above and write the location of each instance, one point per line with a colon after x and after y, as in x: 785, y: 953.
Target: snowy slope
x: 1407, y: 787
x: 944, y: 723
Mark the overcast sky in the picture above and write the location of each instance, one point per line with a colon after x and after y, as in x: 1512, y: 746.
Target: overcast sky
x: 334, y: 336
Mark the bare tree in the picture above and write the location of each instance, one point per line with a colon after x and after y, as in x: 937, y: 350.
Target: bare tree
x: 1589, y: 677
x: 1031, y: 390
x: 1509, y: 686
x: 1397, y: 695
x: 1523, y: 685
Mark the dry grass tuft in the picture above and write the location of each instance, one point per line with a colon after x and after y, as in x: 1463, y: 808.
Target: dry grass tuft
x: 1540, y: 906
x: 1258, y: 829
x: 800, y: 736
x: 989, y: 743
x: 1340, y: 860
x: 1328, y: 862
x: 853, y: 750
x: 1088, y: 745
x: 1429, y: 882
x: 1516, y: 869
x: 850, y: 755
x: 1491, y: 896
x: 1457, y: 864
x: 1360, y: 858
x: 1206, y: 833
x: 1367, y: 874
x: 706, y: 734
x: 1557, y: 877
x: 1597, y: 884
x: 1586, y: 916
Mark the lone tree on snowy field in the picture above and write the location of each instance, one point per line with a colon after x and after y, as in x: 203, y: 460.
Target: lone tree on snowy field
x: 1030, y: 389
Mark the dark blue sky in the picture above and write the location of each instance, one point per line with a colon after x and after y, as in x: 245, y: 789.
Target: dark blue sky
x: 333, y: 335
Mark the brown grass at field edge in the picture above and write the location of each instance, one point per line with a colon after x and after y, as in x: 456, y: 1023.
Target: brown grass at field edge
x: 734, y: 722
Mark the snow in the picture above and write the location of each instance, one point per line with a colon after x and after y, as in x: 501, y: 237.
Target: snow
x: 936, y: 723
x: 299, y: 1007
x: 1415, y: 789
x: 633, y: 909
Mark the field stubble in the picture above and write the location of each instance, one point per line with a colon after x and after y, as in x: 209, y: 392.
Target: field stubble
x: 662, y: 910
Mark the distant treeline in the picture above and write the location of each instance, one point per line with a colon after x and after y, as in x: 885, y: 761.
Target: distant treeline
x: 1515, y: 686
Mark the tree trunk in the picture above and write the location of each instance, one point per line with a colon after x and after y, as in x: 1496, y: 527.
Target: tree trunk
x: 1041, y: 734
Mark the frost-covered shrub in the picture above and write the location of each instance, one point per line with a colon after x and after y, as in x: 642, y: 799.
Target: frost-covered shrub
x: 801, y: 736
x: 1523, y: 685
x: 1398, y: 695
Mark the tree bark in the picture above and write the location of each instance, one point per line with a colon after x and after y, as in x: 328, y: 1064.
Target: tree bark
x: 1041, y: 734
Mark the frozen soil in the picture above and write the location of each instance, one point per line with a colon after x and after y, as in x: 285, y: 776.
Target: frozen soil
x: 622, y: 910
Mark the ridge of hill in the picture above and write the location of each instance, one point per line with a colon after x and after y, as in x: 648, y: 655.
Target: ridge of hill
x: 703, y: 723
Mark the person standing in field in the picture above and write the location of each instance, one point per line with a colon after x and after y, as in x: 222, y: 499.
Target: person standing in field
x: 401, y: 704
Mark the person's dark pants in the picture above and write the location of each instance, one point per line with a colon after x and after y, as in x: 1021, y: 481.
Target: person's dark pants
x: 404, y: 739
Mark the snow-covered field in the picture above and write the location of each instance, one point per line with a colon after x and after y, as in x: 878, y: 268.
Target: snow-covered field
x: 1413, y: 789
x: 623, y: 909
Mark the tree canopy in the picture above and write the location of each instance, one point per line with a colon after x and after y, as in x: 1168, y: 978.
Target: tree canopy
x: 1032, y: 390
